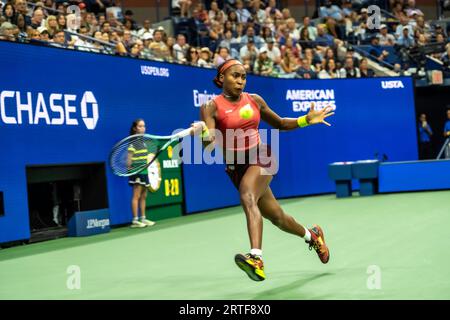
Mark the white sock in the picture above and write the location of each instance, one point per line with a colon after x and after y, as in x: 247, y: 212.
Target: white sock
x: 256, y: 252
x: 143, y: 218
x: 307, y: 235
x: 135, y: 218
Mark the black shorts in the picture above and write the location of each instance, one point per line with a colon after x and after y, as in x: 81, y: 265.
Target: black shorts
x: 262, y: 158
x: 140, y: 178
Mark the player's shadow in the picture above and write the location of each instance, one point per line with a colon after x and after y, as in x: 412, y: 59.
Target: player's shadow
x: 279, y: 292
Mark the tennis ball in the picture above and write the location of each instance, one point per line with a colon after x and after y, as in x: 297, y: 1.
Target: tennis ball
x: 246, y: 112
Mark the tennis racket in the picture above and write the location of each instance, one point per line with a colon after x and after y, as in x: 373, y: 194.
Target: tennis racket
x: 135, y: 153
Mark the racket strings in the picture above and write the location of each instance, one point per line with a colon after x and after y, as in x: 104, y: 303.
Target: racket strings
x: 133, y: 155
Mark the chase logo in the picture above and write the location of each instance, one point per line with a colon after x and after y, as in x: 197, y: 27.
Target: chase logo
x: 89, y: 121
x: 392, y: 84
x: 54, y: 109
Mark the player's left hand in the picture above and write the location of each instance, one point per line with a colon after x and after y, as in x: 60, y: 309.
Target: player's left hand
x: 318, y: 116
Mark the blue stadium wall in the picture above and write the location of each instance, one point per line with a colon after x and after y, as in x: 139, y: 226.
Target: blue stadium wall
x: 74, y: 106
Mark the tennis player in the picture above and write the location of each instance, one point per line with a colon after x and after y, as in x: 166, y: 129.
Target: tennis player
x: 138, y: 155
x: 252, y: 178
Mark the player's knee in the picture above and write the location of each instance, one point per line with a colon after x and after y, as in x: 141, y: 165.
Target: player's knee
x: 277, y: 221
x: 248, y: 199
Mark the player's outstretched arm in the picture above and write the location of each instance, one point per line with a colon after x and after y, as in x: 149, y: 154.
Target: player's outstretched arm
x: 313, y: 117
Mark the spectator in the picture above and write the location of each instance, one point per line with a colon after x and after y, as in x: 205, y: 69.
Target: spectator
x: 447, y: 125
x: 9, y: 13
x: 330, y: 10
x: 222, y: 55
x: 421, y: 40
x: 6, y: 31
x: 242, y: 13
x: 263, y: 65
x: 128, y: 16
x: 248, y: 66
x: 350, y: 53
x: 205, y: 58
x: 398, y: 11
x: 249, y: 50
x: 333, y: 29
x: 215, y: 14
x: 364, y: 70
x: 363, y: 16
x: 52, y: 25
x: 97, y: 46
x: 445, y: 58
x: 146, y: 52
x: 37, y: 18
x: 183, y: 5
x: 227, y: 40
x: 135, y: 51
x: 404, y: 22
x: 20, y: 20
x: 259, y: 42
x: 312, y: 57
x: 44, y: 35
x: 192, y: 57
x: 228, y: 25
x: 349, y: 70
x: 377, y: 51
x: 202, y: 13
x: 232, y: 17
x: 438, y: 30
x: 447, y: 135
x: 292, y: 29
x: 347, y: 8
x: 146, y: 28
x: 324, y: 39
x: 271, y: 10
x: 100, y: 5
x: 256, y: 10
x: 305, y: 39
x: 101, y: 19
x: 295, y: 48
x: 20, y: 6
x: 180, y: 48
x: 305, y: 71
x: 329, y: 71
x: 422, y: 26
x: 158, y: 48
x: 286, y: 14
x: 215, y: 35
x: 272, y: 51
x: 239, y: 34
x: 61, y: 22
x: 266, y: 33
x: 170, y: 42
x: 58, y: 39
x: 89, y: 21
x: 127, y: 39
x: 425, y: 133
x: 411, y: 9
x: 405, y: 40
x: 440, y: 38
x: 288, y: 64
x: 329, y: 54
x: 385, y: 38
x: 360, y: 32
x: 312, y: 31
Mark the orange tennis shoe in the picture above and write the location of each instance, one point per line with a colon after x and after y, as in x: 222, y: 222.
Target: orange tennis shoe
x: 318, y: 243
